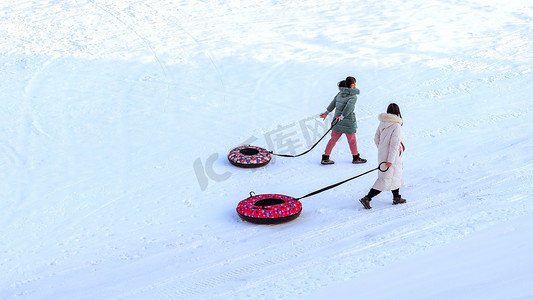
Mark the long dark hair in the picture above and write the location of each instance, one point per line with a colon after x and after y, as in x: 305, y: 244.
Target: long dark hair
x: 346, y: 82
x: 394, y: 109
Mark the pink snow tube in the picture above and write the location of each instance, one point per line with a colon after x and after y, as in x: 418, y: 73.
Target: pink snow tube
x: 269, y: 209
x: 249, y: 157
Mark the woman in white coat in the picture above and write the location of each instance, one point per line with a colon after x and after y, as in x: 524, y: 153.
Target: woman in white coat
x: 388, y: 139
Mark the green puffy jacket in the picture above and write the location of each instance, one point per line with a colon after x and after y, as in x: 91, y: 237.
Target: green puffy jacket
x: 344, y: 105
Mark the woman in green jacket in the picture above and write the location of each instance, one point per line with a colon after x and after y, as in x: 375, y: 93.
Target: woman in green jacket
x: 344, y: 105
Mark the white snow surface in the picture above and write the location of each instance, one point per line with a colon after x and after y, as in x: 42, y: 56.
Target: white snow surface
x: 116, y: 118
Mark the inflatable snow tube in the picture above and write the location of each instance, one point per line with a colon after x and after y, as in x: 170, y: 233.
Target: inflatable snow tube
x: 249, y: 157
x: 269, y: 209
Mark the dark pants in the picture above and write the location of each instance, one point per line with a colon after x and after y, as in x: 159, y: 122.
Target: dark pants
x: 373, y: 193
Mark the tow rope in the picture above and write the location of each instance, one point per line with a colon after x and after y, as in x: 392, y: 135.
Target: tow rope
x: 344, y: 181
x: 289, y: 155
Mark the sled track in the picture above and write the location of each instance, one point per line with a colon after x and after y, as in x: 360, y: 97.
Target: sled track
x: 360, y: 241
x: 295, y: 258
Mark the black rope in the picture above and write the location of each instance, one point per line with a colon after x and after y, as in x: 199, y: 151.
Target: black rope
x: 289, y: 155
x: 344, y: 181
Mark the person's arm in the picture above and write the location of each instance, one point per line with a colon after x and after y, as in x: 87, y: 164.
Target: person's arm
x: 330, y: 108
x: 394, y: 145
x: 349, y: 107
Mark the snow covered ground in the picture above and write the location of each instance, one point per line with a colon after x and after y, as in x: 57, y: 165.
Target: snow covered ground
x: 116, y: 118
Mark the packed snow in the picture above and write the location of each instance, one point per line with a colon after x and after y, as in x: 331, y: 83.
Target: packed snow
x: 117, y: 117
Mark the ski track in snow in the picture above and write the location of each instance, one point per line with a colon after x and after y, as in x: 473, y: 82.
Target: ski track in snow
x: 113, y: 108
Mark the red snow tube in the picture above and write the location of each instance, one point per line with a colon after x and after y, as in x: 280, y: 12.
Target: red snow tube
x: 249, y: 156
x: 269, y: 209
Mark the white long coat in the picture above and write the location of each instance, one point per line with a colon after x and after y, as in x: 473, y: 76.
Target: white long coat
x: 388, y: 139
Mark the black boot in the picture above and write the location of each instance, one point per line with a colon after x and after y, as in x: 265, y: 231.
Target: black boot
x: 326, y: 160
x: 366, y: 202
x: 358, y: 160
x: 398, y: 200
